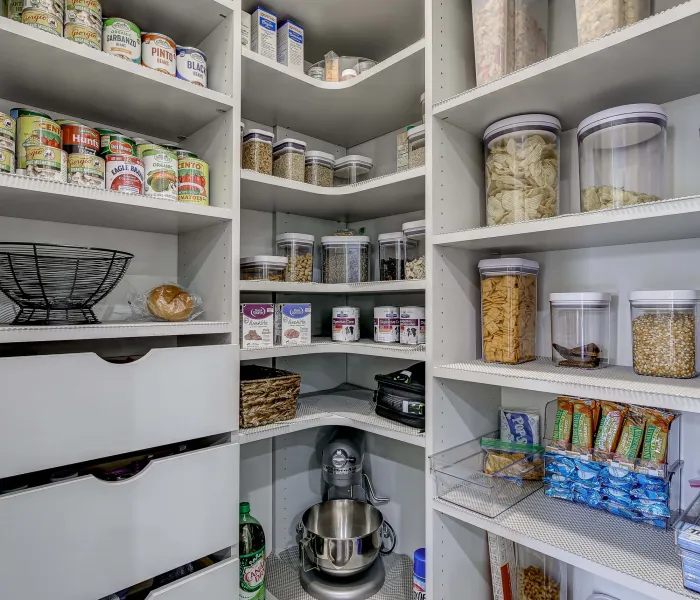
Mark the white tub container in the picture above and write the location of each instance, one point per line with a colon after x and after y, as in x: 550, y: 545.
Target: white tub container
x: 386, y: 324
x: 412, y: 323
x: 352, y: 169
x: 346, y: 324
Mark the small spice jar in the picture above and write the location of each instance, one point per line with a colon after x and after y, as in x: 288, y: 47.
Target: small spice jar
x: 352, y: 169
x: 299, y: 250
x: 271, y: 268
x: 508, y: 309
x: 288, y: 159
x: 414, y: 231
x: 318, y: 168
x: 664, y: 333
x: 257, y: 151
x: 345, y: 258
x: 392, y: 256
x: 580, y: 325
x: 416, y: 147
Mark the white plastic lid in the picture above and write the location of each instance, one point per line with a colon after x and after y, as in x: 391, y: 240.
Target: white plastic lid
x: 351, y: 72
x: 502, y: 264
x: 416, y: 132
x: 665, y: 296
x: 628, y: 111
x: 580, y: 297
x: 345, y: 239
x: 319, y: 154
x: 530, y: 122
x: 391, y: 237
x: 275, y: 261
x: 353, y: 159
x: 413, y: 227
x: 261, y: 132
x: 394, y: 309
x: 295, y: 237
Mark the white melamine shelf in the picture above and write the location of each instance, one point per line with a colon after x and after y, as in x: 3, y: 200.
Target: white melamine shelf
x: 322, y: 345
x: 650, y: 61
x: 616, y: 384
x: 344, y: 406
x: 636, y: 556
x: 52, y: 333
x: 371, y: 287
x: 59, y: 75
x: 346, y: 113
x: 380, y: 197
x: 673, y: 219
x: 27, y: 198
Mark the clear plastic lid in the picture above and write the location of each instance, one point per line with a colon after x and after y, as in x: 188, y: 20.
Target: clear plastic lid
x: 414, y: 228
x: 580, y: 298
x: 416, y: 133
x: 362, y: 163
x: 493, y: 266
x: 533, y: 124
x: 638, y: 122
x: 289, y: 145
x: 395, y: 236
x: 316, y: 157
x: 344, y: 239
x: 664, y: 298
x: 295, y: 237
x: 271, y: 261
x: 258, y: 135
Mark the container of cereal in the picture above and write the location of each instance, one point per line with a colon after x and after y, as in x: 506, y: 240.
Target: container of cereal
x: 664, y: 333
x: 345, y: 258
x: 43, y: 20
x: 86, y: 170
x: 192, y: 65
x: 318, y: 168
x: 522, y: 169
x: 580, y: 324
x: 257, y: 151
x: 121, y: 38
x: 288, y: 159
x: 158, y: 52
x: 508, y: 309
x: 392, y: 256
x: 46, y: 162
x: 124, y: 173
x: 345, y: 322
x: 416, y: 147
x: 84, y: 12
x: 299, y: 250
x: 414, y: 231
x: 412, y: 322
x: 596, y: 18
x: 622, y: 157
x: 82, y: 34
x: 386, y: 324
x: 160, y: 170
x: 271, y: 268
x: 79, y: 139
x: 352, y: 169
x: 8, y: 133
x: 192, y: 180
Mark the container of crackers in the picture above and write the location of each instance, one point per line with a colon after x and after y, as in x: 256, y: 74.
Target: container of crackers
x: 508, y: 309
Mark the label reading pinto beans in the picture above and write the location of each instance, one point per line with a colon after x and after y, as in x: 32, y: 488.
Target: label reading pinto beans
x: 44, y: 21
x: 124, y: 174
x: 46, y: 162
x: 7, y: 133
x: 7, y: 161
x: 158, y: 52
x: 193, y: 181
x: 85, y: 12
x: 77, y: 32
x: 121, y: 38
x: 160, y: 169
x: 86, y: 170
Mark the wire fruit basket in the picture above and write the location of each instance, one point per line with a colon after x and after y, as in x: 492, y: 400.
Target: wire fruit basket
x: 53, y: 284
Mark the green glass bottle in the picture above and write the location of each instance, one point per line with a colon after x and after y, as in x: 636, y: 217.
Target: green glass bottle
x: 252, y: 556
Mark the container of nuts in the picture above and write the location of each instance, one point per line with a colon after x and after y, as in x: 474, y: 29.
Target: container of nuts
x: 540, y: 577
x: 271, y: 268
x: 664, y: 333
x: 299, y: 250
x: 257, y: 151
x: 288, y: 159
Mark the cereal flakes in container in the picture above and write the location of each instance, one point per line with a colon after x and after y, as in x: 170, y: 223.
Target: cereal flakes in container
x: 288, y: 159
x: 622, y: 157
x: 299, y: 250
x: 257, y: 151
x: 596, y: 18
x: 270, y: 268
x: 664, y: 333
x: 508, y: 309
x: 414, y: 231
x: 352, y: 169
x: 318, y: 168
x: 522, y: 169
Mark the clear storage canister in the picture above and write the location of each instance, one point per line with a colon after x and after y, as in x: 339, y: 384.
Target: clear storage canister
x: 352, y: 169
x: 257, y: 151
x: 416, y: 147
x: 288, y: 159
x: 345, y: 258
x: 508, y: 35
x: 595, y: 18
x: 299, y: 250
x: 271, y: 268
x: 318, y: 168
x: 522, y: 169
x: 392, y: 256
x: 622, y: 157
x: 664, y: 333
x: 508, y: 309
x: 415, y: 253
x: 580, y: 325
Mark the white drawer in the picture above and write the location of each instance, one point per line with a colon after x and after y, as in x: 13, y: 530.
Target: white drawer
x: 85, y: 538
x: 67, y: 408
x: 218, y: 582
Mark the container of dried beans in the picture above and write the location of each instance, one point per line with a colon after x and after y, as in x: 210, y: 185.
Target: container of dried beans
x: 257, y: 151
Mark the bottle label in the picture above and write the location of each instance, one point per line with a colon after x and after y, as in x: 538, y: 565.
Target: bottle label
x: 253, y: 576
x: 419, y: 591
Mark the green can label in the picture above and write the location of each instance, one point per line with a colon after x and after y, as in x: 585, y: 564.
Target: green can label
x: 252, y: 576
x: 116, y: 144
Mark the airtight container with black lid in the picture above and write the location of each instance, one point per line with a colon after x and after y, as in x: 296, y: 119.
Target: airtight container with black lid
x: 318, y: 168
x: 257, y: 151
x: 352, y: 169
x: 271, y: 268
x: 288, y: 159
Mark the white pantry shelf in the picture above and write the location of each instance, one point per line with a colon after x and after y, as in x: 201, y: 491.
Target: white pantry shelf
x: 614, y: 383
x: 276, y: 95
x: 636, y: 556
x: 321, y: 345
x: 100, y: 87
x: 27, y: 198
x: 371, y: 287
x: 379, y: 197
x: 650, y: 61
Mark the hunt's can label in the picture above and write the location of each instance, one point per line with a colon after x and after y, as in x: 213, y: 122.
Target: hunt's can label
x: 8, y: 133
x: 121, y: 38
x: 85, y: 12
x: 124, y: 174
x: 7, y: 161
x: 160, y: 168
x: 192, y: 65
x: 86, y: 170
x: 46, y: 162
x: 158, y: 52
x: 192, y: 181
x: 115, y: 143
x: 79, y: 139
x: 44, y: 21
x: 82, y: 34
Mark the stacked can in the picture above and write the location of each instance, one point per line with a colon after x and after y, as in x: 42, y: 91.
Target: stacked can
x: 123, y: 169
x: 160, y: 170
x: 83, y: 22
x: 8, y: 132
x: 46, y: 15
x: 192, y: 65
x: 14, y: 10
x: 81, y: 145
x: 159, y: 52
x: 121, y: 38
x: 38, y: 146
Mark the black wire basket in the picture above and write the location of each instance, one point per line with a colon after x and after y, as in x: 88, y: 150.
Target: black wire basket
x: 52, y: 284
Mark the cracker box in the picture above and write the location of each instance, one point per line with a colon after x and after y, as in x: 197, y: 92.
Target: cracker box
x: 292, y: 324
x: 257, y: 326
x: 263, y: 33
x: 290, y: 46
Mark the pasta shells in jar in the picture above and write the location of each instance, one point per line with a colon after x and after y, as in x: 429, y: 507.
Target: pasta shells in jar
x: 522, y: 169
x: 596, y: 18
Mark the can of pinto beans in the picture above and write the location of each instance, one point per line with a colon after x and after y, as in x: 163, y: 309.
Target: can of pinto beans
x: 159, y: 52
x: 192, y: 181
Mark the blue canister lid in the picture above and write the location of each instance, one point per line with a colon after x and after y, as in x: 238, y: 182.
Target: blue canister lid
x: 419, y: 563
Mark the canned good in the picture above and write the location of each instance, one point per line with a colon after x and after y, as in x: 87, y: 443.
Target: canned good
x: 124, y: 174
x: 386, y: 324
x: 44, y: 21
x: 82, y: 34
x: 51, y: 7
x: 84, y: 12
x: 63, y: 122
x: 192, y: 181
x: 140, y: 142
x: 86, y: 170
x: 7, y: 161
x: 345, y: 324
x: 116, y: 143
x: 158, y: 52
x: 33, y: 129
x: 8, y: 132
x: 121, y: 38
x: 141, y: 148
x: 160, y: 170
x: 192, y: 65
x: 182, y: 153
x: 79, y: 139
x: 412, y: 325
x: 14, y: 10
x: 46, y: 162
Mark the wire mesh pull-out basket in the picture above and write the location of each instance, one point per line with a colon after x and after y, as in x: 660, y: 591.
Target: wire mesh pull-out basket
x: 52, y: 284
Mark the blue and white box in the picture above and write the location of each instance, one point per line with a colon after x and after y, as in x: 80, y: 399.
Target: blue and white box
x: 263, y: 33
x: 290, y: 46
x: 292, y: 324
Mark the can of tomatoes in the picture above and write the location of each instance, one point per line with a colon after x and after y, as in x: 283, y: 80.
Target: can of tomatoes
x: 124, y: 174
x: 34, y: 129
x: 159, y: 52
x: 79, y: 139
x: 192, y: 181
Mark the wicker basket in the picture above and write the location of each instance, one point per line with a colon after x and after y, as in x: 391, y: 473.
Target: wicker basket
x: 267, y: 395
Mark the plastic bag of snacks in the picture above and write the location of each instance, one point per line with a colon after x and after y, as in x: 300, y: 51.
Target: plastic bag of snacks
x: 167, y: 302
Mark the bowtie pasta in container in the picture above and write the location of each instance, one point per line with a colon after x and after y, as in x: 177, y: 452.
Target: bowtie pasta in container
x: 596, y: 18
x: 522, y: 169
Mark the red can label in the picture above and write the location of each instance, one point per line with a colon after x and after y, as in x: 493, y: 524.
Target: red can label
x: 78, y: 139
x: 124, y: 174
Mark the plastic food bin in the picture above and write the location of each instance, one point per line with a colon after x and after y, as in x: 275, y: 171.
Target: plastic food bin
x: 508, y: 309
x: 522, y: 169
x: 508, y: 35
x: 622, y: 157
x: 416, y: 147
x: 540, y: 577
x: 345, y: 258
x: 318, y: 168
x: 596, y: 18
x: 392, y: 255
x: 580, y: 325
x: 257, y: 151
x: 271, y: 268
x: 298, y: 248
x: 288, y: 159
x: 664, y: 333
x: 352, y: 169
x: 414, y: 231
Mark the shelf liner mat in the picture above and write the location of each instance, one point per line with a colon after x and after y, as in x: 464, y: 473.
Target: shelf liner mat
x: 282, y: 576
x: 365, y: 343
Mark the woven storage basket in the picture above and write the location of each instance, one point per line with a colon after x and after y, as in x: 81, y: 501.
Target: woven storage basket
x: 267, y: 395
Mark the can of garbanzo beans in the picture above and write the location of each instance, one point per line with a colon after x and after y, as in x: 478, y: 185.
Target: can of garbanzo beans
x: 192, y: 181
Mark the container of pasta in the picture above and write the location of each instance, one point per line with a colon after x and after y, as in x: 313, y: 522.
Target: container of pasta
x: 508, y: 309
